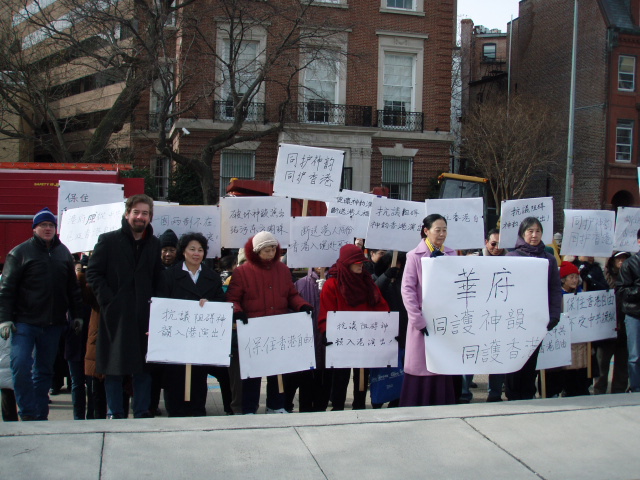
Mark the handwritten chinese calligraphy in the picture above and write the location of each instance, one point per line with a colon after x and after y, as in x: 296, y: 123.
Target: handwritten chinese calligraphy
x: 354, y: 205
x: 588, y: 233
x: 243, y: 217
x: 465, y: 220
x: 394, y: 224
x: 81, y: 227
x: 627, y: 226
x: 514, y: 211
x: 183, y: 219
x: 592, y: 315
x: 316, y: 241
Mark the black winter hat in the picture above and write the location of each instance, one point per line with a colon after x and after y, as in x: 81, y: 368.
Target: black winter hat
x: 168, y: 239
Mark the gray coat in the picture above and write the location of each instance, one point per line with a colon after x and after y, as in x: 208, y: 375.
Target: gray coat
x: 123, y: 288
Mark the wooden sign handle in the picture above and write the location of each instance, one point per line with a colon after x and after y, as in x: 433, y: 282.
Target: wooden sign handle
x: 187, y: 382
x: 543, y: 382
x: 361, y: 383
x: 280, y: 384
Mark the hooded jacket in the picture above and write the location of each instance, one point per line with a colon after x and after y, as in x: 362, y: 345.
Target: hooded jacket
x: 261, y: 289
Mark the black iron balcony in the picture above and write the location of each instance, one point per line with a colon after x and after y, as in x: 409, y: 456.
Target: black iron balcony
x: 399, y: 119
x: 223, y: 112
x: 493, y: 60
x: 154, y: 123
x: 319, y: 112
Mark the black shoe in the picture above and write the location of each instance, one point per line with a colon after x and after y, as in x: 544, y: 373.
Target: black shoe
x: 473, y: 385
x: 464, y: 400
x: 494, y: 399
x: 115, y: 416
x: 28, y: 418
x: 54, y: 391
x: 144, y: 415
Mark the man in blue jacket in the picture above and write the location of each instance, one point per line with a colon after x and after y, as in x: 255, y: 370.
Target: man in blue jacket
x: 38, y: 286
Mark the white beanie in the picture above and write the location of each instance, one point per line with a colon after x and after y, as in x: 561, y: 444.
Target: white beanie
x: 263, y: 239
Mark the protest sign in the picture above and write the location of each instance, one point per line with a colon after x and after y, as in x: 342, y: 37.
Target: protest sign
x: 243, y: 217
x: 626, y: 232
x: 555, y: 349
x: 181, y: 331
x: 465, y: 220
x: 353, y: 205
x: 362, y: 339
x: 81, y: 227
x: 316, y: 241
x: 307, y: 172
x: 86, y: 194
x: 592, y: 315
x: 588, y: 233
x: 395, y: 224
x: 204, y: 219
x: 484, y: 315
x: 512, y: 212
x: 276, y: 344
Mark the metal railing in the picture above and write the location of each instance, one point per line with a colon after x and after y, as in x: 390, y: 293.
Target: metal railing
x: 392, y: 119
x: 154, y: 123
x: 324, y: 113
x: 223, y: 112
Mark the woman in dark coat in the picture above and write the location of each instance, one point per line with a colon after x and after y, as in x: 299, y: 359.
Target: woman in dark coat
x: 521, y: 385
x: 189, y: 280
x: 261, y: 287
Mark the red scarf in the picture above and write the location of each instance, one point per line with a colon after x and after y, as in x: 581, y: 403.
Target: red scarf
x: 356, y: 288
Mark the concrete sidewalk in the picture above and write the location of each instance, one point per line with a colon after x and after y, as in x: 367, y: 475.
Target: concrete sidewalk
x: 595, y: 437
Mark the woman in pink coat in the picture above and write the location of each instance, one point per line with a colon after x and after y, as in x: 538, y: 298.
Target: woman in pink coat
x: 422, y: 387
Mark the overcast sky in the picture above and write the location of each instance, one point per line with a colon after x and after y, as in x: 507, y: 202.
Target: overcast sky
x: 490, y: 13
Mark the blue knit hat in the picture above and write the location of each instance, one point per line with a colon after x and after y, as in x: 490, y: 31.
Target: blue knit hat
x: 44, y: 215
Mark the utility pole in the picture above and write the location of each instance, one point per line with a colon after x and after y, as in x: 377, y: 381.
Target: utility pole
x: 568, y: 188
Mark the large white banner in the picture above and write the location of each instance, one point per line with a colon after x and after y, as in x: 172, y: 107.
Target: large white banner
x: 395, y: 224
x: 276, y: 344
x: 86, y: 194
x: 588, y: 233
x: 316, y: 241
x: 243, y: 217
x: 512, y: 212
x: 204, y: 219
x: 627, y: 226
x: 81, y: 227
x: 465, y: 220
x: 307, y: 172
x: 555, y: 349
x: 181, y: 331
x: 362, y: 339
x: 592, y: 315
x: 353, y: 205
x: 484, y: 315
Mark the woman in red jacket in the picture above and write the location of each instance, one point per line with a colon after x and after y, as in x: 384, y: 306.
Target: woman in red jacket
x: 260, y: 287
x: 349, y: 288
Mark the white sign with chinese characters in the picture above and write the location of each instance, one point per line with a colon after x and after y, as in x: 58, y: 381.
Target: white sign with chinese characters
x: 243, y: 217
x: 316, y: 241
x: 81, y: 227
x: 204, y: 219
x: 484, y: 315
x: 465, y: 220
x: 395, y: 224
x: 276, y: 344
x: 353, y: 205
x: 626, y: 232
x: 307, y: 172
x: 183, y: 332
x: 86, y: 194
x: 362, y: 339
x: 512, y: 212
x: 555, y: 349
x: 588, y: 233
x: 592, y: 315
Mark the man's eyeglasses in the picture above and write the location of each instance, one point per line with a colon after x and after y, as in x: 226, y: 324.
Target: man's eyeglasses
x: 493, y: 244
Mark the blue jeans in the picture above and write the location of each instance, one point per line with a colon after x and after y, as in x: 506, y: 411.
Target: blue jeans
x: 467, y: 394
x: 632, y: 325
x: 496, y: 380
x: 78, y: 389
x: 33, y: 352
x: 141, y: 395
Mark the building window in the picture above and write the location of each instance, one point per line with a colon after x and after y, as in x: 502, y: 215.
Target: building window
x: 347, y: 176
x: 627, y: 73
x: 321, y: 82
x: 161, y: 90
x: 624, y: 141
x: 489, y: 51
x: 401, y: 4
x: 244, y: 59
x: 236, y: 164
x: 398, y: 87
x: 397, y: 176
x: 161, y: 175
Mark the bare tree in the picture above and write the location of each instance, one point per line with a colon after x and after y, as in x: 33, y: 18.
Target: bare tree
x: 510, y: 143
x: 187, y: 52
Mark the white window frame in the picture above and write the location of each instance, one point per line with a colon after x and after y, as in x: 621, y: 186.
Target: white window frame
x: 156, y: 94
x: 162, y: 179
x: 417, y: 7
x: 256, y: 34
x: 495, y: 51
x: 403, y: 188
x: 624, y: 151
x: 224, y: 179
x: 625, y: 77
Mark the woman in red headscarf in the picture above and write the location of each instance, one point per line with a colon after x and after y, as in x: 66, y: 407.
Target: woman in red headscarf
x: 349, y: 288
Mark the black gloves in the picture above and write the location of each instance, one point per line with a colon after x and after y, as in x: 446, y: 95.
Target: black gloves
x: 240, y: 316
x: 552, y: 324
x: 424, y: 330
x: 392, y: 272
x: 77, y: 325
x: 306, y: 308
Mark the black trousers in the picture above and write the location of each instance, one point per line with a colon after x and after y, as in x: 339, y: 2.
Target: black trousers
x: 521, y: 385
x: 174, y: 391
x: 340, y: 384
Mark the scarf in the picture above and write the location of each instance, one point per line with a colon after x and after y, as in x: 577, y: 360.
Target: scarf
x: 355, y: 288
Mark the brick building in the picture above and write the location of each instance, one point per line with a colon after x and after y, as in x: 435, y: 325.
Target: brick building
x: 606, y: 115
x: 386, y: 103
